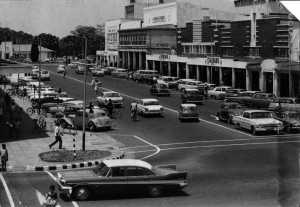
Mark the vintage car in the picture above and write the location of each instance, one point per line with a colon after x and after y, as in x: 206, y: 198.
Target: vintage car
x: 80, y: 69
x: 260, y: 100
x: 97, y: 72
x: 229, y: 110
x: 149, y: 106
x: 171, y: 81
x: 67, y: 110
x: 214, y: 93
x: 290, y: 120
x: 160, y: 89
x: 115, y: 97
x: 109, y: 70
x: 191, y: 96
x: 241, y: 97
x: 188, y: 112
x: 93, y: 121
x: 61, y: 68
x: 64, y: 121
x: 121, y: 176
x: 285, y: 103
x: 145, y: 76
x: 119, y: 73
x: 230, y: 93
x: 57, y: 102
x: 258, y: 121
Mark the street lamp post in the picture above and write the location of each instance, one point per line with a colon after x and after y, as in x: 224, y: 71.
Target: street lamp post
x: 84, y: 99
x: 290, y: 53
x: 40, y: 54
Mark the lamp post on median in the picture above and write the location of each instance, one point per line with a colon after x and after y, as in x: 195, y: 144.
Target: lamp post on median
x: 289, y: 54
x: 84, y: 99
x: 40, y: 59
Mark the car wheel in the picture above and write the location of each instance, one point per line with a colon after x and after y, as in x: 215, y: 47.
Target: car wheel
x: 253, y: 131
x: 229, y: 120
x: 81, y: 193
x: 92, y: 127
x: 154, y: 191
x: 219, y: 116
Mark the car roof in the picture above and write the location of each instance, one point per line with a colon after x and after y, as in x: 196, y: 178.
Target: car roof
x: 253, y: 111
x: 109, y: 92
x: 75, y: 101
x: 187, y: 79
x: 149, y: 99
x: 191, y: 89
x: 127, y: 162
x: 188, y: 105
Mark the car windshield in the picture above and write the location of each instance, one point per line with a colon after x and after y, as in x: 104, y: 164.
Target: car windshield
x: 162, y: 86
x: 189, y: 109
x: 235, y: 106
x: 261, y: 115
x: 98, y: 114
x: 294, y: 115
x: 111, y: 95
x: 101, y: 170
x: 149, y: 103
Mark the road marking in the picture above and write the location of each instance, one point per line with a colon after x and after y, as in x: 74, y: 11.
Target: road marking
x: 54, y: 178
x: 157, y: 148
x: 11, y: 201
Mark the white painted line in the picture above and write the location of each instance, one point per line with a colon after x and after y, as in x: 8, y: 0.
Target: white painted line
x: 215, y: 117
x: 11, y: 201
x: 54, y: 178
x: 157, y: 148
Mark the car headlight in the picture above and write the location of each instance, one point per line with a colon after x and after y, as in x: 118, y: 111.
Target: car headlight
x: 146, y: 109
x: 280, y: 124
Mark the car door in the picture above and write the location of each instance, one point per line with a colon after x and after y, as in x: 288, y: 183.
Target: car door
x: 245, y: 120
x: 137, y: 178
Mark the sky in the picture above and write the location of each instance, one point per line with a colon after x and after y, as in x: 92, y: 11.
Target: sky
x: 57, y: 17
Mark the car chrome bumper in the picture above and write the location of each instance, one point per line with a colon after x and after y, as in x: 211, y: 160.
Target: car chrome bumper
x: 263, y: 129
x: 64, y: 189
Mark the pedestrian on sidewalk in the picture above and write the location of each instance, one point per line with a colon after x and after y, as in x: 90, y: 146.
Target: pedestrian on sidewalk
x: 51, y: 197
x: 4, y: 157
x: 58, y: 134
x: 65, y: 73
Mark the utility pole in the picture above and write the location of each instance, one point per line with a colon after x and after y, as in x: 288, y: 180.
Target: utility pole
x: 290, y: 53
x: 211, y: 63
x: 84, y: 99
x: 40, y: 54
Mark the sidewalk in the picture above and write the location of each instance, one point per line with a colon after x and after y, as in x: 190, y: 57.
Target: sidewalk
x: 24, y: 151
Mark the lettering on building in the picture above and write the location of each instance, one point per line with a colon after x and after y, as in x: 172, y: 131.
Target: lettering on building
x: 158, y: 19
x: 213, y: 61
x: 164, y: 57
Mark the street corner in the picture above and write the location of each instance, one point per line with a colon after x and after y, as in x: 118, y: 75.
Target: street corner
x: 115, y: 154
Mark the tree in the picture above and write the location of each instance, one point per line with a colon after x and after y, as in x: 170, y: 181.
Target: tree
x: 34, y: 53
x: 49, y: 41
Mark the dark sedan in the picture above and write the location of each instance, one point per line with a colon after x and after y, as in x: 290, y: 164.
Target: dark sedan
x: 290, y: 120
x: 228, y: 111
x: 160, y: 89
x: 119, y: 177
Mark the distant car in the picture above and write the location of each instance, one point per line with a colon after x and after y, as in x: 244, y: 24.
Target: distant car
x: 182, y: 83
x: 97, y: 72
x: 214, y: 93
x: 35, y: 72
x: 149, y: 106
x: 231, y: 92
x: 191, y: 96
x: 119, y: 73
x: 258, y: 121
x: 229, y: 110
x: 93, y: 121
x: 66, y: 110
x: 290, y: 120
x: 73, y: 65
x: 121, y: 176
x: 115, y: 97
x: 109, y: 70
x: 145, y: 76
x: 80, y: 69
x: 285, y: 104
x: 169, y: 80
x: 188, y: 112
x: 27, y: 60
x: 61, y: 68
x: 260, y: 100
x: 160, y: 89
x: 241, y: 97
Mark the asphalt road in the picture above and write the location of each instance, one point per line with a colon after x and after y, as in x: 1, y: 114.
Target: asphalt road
x: 227, y: 167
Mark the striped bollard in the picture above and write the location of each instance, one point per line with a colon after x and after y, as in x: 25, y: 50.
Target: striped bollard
x: 74, y: 148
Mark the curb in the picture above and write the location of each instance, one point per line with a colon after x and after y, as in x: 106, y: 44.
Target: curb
x: 72, y: 165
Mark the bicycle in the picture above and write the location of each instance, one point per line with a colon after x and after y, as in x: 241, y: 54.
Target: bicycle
x: 133, y: 115
x: 115, y: 114
x: 35, y: 110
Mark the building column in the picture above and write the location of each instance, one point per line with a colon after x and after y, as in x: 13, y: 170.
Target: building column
x: 169, y: 68
x: 187, y: 71
x: 275, y: 84
x: 153, y: 62
x: 129, y: 61
x: 140, y: 61
x: 198, y: 72
x: 123, y: 59
x: 248, y: 80
x: 233, y: 77
x: 178, y: 69
x: 208, y: 75
x: 261, y: 81
x: 221, y: 76
x: 134, y: 60
x: 118, y: 60
x: 147, y: 65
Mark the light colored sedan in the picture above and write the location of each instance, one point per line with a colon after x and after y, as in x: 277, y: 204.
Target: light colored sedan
x: 61, y: 68
x: 115, y: 97
x: 149, y: 106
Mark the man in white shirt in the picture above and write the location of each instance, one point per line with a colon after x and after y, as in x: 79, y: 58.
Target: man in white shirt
x: 57, y: 134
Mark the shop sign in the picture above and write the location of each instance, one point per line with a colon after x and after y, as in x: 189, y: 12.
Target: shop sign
x: 158, y: 19
x: 213, y: 61
x: 164, y: 56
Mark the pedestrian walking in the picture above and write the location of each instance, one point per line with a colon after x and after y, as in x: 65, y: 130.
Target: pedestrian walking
x: 206, y: 87
x: 96, y: 86
x: 17, y: 127
x: 4, y: 157
x: 58, y: 134
x: 51, y: 197
x: 59, y: 90
x: 65, y: 73
x: 91, y: 106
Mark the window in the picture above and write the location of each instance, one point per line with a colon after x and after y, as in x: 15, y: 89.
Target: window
x: 227, y: 51
x: 137, y: 171
x: 118, y: 172
x: 252, y: 52
x: 281, y: 52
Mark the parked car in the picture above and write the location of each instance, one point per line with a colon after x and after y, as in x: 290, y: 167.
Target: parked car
x: 230, y: 93
x: 45, y: 75
x: 93, y: 121
x: 73, y: 65
x: 169, y: 80
x: 290, y: 120
x: 66, y: 110
x: 80, y: 69
x: 160, y: 89
x: 121, y: 176
x: 35, y: 72
x: 229, y: 110
x: 260, y: 100
x: 182, y: 83
x: 55, y: 104
x: 115, y: 97
x: 61, y: 68
x: 98, y: 72
x: 210, y: 85
x: 145, y: 76
x: 64, y: 121
x: 109, y: 70
x: 188, y: 112
x: 258, y: 121
x: 285, y: 104
x: 149, y: 106
x: 214, y: 93
x: 119, y: 73
x: 191, y: 96
x: 241, y: 97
